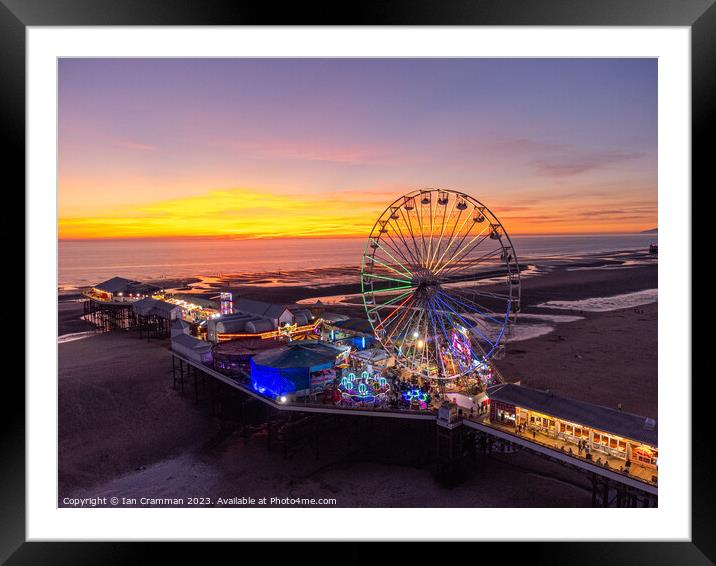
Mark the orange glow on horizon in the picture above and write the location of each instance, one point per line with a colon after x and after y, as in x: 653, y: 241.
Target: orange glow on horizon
x: 246, y: 213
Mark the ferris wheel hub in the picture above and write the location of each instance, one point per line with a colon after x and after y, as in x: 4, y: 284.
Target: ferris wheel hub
x: 426, y: 282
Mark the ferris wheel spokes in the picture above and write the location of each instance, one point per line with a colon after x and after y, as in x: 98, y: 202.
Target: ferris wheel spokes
x: 411, y: 250
x: 479, y: 309
x: 462, y: 265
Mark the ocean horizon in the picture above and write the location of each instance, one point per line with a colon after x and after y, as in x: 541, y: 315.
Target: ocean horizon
x: 85, y: 262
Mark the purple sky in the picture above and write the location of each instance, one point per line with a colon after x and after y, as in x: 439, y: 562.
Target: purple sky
x: 551, y: 145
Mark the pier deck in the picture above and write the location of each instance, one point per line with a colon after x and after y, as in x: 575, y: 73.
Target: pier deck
x: 638, y: 478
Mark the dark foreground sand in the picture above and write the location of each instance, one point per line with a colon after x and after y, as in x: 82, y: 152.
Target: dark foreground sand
x: 117, y: 411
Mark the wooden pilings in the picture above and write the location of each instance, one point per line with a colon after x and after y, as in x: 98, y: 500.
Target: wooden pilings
x: 151, y: 326
x: 608, y: 493
x: 456, y: 449
x: 108, y: 316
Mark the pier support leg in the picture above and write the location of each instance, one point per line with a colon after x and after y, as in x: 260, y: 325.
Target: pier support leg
x: 268, y: 435
x: 317, y: 439
x: 212, y: 396
x: 244, y: 432
x: 181, y: 377
x: 174, y: 373
x: 196, y: 386
x: 605, y: 494
x: 594, y: 490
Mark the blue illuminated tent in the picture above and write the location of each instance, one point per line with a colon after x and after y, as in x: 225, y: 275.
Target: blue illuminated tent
x: 288, y: 369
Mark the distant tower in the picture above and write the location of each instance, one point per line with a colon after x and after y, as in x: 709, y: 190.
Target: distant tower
x: 227, y: 303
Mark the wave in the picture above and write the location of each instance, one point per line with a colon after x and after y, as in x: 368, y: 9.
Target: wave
x: 605, y: 304
x: 76, y: 336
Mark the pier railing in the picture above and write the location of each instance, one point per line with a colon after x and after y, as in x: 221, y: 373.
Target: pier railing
x: 566, y: 455
x: 242, y: 383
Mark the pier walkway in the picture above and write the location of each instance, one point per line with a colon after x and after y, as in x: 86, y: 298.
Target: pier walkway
x: 638, y: 477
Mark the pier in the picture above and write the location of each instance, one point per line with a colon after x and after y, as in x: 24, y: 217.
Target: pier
x: 461, y: 439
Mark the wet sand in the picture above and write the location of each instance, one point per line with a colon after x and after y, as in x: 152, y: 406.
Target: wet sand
x: 606, y: 358
x: 68, y: 318
x: 564, y: 285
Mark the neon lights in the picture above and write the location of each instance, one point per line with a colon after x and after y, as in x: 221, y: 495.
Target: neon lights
x: 391, y: 301
x: 485, y: 374
x: 227, y: 303
x: 368, y: 388
x: 373, y: 276
x: 393, y: 313
x: 416, y: 396
x: 272, y: 333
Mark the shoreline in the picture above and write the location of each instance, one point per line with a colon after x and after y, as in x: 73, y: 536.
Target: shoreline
x: 349, y: 274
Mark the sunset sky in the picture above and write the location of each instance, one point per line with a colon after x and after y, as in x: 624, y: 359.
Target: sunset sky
x: 319, y: 147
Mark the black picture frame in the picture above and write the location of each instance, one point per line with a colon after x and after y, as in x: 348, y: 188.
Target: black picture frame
x: 699, y: 15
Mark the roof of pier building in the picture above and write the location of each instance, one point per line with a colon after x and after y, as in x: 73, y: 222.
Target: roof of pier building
x: 117, y: 285
x: 620, y: 423
x: 260, y: 308
x: 298, y: 355
x: 191, y: 342
x: 149, y: 306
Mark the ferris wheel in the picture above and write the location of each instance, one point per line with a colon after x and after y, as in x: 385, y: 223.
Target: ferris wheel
x: 440, y: 283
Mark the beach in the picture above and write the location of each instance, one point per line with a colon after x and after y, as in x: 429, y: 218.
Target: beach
x: 117, y: 411
x: 606, y: 358
x: 125, y: 432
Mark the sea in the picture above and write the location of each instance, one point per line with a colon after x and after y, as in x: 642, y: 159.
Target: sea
x: 85, y: 262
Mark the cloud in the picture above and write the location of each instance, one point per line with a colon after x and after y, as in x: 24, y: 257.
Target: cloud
x: 574, y: 163
x: 524, y: 145
x: 312, y: 151
x: 551, y: 158
x: 134, y: 145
